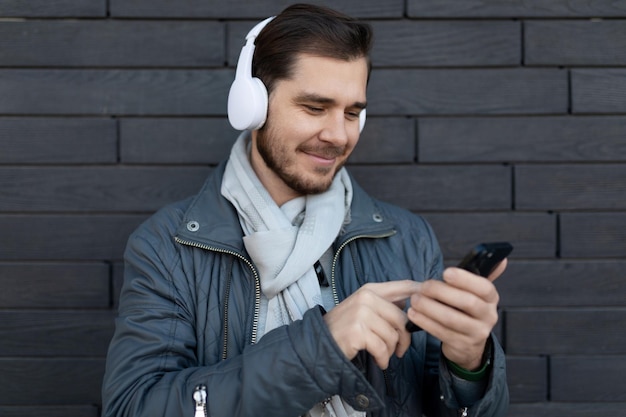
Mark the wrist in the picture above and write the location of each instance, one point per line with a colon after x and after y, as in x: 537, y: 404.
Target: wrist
x: 478, y: 373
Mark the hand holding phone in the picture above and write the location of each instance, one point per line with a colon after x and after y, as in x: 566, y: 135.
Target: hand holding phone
x: 481, y: 260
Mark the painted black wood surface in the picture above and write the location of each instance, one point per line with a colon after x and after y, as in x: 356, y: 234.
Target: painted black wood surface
x: 495, y: 120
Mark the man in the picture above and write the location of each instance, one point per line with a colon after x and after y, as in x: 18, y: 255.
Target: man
x: 279, y: 290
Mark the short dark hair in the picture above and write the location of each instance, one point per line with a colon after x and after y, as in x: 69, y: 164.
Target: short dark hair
x: 308, y: 29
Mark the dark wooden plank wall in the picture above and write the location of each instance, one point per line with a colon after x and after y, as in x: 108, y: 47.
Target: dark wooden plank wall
x: 496, y: 120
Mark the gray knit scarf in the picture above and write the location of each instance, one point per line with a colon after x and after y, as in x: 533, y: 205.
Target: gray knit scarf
x: 284, y: 252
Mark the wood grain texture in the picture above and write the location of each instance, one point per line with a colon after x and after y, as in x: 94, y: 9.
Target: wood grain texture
x: 425, y: 44
x: 78, y: 378
x: 446, y: 43
x: 244, y: 8
x: 533, y: 235
x: 53, y: 8
x: 55, y: 285
x: 599, y: 90
x: 499, y: 9
x: 66, y: 237
x: 571, y: 409
x: 528, y: 378
x: 588, y: 378
x: 568, y: 331
x: 55, y: 333
x: 110, y: 43
x: 175, y: 140
x: 468, y: 91
x: 34, y: 140
x: 563, y: 283
x: 575, y: 43
x: 570, y: 187
x: 443, y: 188
x: 114, y: 92
x: 49, y: 411
x: 96, y: 189
x: 118, y: 281
x: 593, y: 235
x: 522, y: 139
x: 386, y: 140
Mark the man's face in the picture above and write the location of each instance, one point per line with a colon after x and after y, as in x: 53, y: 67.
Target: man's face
x: 312, y: 126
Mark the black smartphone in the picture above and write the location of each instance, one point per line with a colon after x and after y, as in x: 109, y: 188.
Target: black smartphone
x: 481, y: 260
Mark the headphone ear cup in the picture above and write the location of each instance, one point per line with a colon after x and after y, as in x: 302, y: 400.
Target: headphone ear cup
x: 247, y: 104
x: 362, y: 117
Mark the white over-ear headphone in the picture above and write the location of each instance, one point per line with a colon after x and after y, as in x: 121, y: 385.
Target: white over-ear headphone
x: 248, y: 98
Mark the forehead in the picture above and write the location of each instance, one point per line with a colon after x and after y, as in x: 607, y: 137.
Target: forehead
x: 328, y: 76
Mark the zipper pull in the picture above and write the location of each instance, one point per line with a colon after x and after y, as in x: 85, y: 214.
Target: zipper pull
x: 199, y: 396
x: 464, y: 412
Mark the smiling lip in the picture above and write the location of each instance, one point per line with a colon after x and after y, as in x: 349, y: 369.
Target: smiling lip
x: 322, y: 159
x: 324, y: 156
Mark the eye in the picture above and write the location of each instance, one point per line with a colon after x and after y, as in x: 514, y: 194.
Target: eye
x: 352, y: 115
x: 313, y: 109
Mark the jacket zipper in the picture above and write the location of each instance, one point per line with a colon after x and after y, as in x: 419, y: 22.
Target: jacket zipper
x: 200, y: 394
x: 333, y: 284
x: 257, y: 289
x: 463, y: 412
x: 199, y: 397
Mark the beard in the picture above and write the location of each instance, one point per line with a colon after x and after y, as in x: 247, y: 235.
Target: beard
x: 283, y: 162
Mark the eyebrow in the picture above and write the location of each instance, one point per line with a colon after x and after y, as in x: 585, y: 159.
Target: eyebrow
x: 316, y: 98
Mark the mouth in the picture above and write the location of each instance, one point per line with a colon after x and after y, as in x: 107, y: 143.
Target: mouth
x: 325, y: 156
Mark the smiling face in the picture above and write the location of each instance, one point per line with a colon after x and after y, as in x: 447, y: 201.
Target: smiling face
x: 312, y: 126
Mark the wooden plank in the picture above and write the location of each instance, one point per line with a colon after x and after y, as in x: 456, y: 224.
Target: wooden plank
x: 573, y: 409
x: 63, y: 381
x: 438, y: 188
x: 56, y: 8
x: 588, y: 378
x: 598, y: 90
x: 571, y: 331
x: 65, y: 237
x: 118, y: 43
x: 28, y: 140
x: 532, y: 234
x: 468, y: 91
x: 562, y: 283
x: 48, y: 411
x: 54, y: 285
x: 522, y: 139
x: 515, y: 9
x: 245, y: 9
x: 386, y: 140
x: 51, y: 333
x: 446, y: 43
x: 570, y: 187
x: 118, y: 281
x: 575, y: 42
x: 175, y: 140
x: 527, y: 378
x: 593, y: 235
x: 426, y: 44
x: 114, y: 92
x: 85, y: 189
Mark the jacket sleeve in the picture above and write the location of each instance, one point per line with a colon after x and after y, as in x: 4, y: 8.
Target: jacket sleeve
x: 152, y: 366
x: 494, y: 402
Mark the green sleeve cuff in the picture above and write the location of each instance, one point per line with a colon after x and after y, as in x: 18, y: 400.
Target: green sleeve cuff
x: 477, y: 375
x: 468, y: 375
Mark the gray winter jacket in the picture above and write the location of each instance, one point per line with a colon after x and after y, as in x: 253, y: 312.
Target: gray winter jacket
x: 189, y: 309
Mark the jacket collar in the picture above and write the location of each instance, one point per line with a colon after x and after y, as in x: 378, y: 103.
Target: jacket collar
x: 211, y: 221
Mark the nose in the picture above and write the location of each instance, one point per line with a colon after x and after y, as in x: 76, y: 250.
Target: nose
x: 335, y: 129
